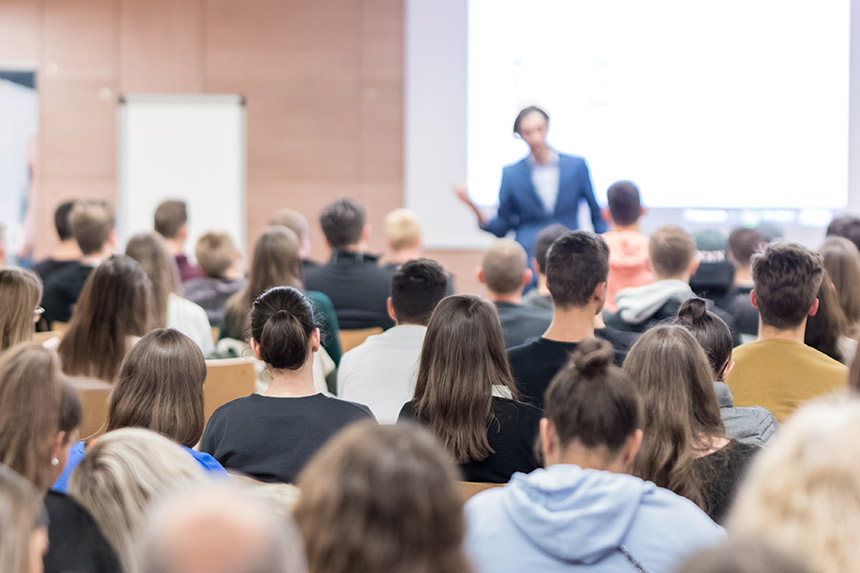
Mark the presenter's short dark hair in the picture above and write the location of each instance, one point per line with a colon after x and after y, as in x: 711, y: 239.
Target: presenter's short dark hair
x: 342, y: 222
x: 786, y: 279
x: 62, y: 221
x: 416, y: 289
x: 524, y: 112
x: 576, y: 263
x: 625, y: 202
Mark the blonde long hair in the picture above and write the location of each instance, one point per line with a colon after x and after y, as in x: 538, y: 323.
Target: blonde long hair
x: 150, y: 250
x: 20, y: 507
x: 20, y: 293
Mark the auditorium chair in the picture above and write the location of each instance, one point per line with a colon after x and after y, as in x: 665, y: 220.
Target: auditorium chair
x: 93, y: 395
x: 349, y: 339
x: 470, y: 488
x: 226, y: 379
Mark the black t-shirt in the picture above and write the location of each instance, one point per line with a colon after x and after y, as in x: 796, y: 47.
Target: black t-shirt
x: 49, y: 266
x: 75, y: 541
x: 271, y: 439
x: 620, y: 340
x: 535, y: 363
x: 62, y: 290
x: 721, y: 474
x: 512, y: 435
x: 740, y: 307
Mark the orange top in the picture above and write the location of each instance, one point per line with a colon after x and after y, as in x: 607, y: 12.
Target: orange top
x: 629, y: 263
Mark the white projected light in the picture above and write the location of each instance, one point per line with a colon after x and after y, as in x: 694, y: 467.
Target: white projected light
x: 741, y: 103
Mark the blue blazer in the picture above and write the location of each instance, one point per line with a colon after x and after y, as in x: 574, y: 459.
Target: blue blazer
x: 521, y: 210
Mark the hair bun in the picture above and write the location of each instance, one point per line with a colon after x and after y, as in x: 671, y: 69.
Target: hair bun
x: 592, y: 356
x: 693, y: 310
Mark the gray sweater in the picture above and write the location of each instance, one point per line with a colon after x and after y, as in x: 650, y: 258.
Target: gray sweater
x: 753, y: 425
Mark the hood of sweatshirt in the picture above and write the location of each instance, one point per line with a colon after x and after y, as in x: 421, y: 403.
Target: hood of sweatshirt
x: 638, y: 304
x: 574, y: 514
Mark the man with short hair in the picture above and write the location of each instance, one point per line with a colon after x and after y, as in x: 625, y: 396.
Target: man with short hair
x: 298, y: 224
x: 403, y: 234
x: 743, y: 244
x: 629, y: 262
x: 381, y: 371
x: 67, y: 250
x: 92, y: 224
x: 220, y: 261
x: 357, y: 286
x: 779, y: 371
x: 171, y: 222
x: 846, y: 226
x: 504, y: 271
x: 577, y: 266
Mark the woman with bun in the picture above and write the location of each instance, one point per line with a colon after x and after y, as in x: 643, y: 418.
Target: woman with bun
x: 270, y: 436
x: 685, y: 448
x: 754, y: 425
x: 583, y: 512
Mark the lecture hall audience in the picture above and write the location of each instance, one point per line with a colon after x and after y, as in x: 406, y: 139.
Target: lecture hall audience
x: 171, y: 222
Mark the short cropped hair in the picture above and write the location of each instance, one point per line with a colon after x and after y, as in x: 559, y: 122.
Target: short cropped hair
x: 402, y: 229
x: 846, y: 226
x: 786, y: 279
x: 92, y: 222
x: 625, y: 203
x: 576, y: 263
x: 743, y: 244
x: 416, y: 289
x: 671, y: 249
x: 169, y: 218
x: 342, y: 222
x: 545, y: 238
x: 292, y: 220
x: 503, y: 266
x: 526, y: 111
x: 62, y: 220
x: 214, y: 253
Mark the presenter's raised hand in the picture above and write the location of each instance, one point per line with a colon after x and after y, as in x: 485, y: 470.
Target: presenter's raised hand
x: 462, y: 193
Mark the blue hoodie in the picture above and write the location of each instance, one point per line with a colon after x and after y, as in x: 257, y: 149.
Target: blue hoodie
x: 565, y: 518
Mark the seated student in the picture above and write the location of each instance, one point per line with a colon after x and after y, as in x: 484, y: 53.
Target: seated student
x: 629, y: 262
x: 382, y: 498
x: 779, y: 371
x: 827, y: 329
x: 577, y: 265
x: 754, y: 425
x: 20, y: 293
x: 846, y: 226
x: 114, y: 311
x: 170, y: 309
x: 743, y: 244
x: 714, y: 275
x: 381, y: 371
x: 218, y: 528
x: 504, y: 272
x: 357, y: 287
x: 403, y: 236
x: 672, y: 253
x: 539, y: 297
x: 842, y: 263
x: 800, y: 494
x: 67, y: 251
x: 298, y: 224
x: 583, y: 513
x: 685, y: 448
x: 160, y: 388
x: 466, y: 395
x: 123, y: 474
x: 222, y: 275
x: 270, y: 436
x: 171, y: 222
x: 92, y: 226
x: 25, y: 535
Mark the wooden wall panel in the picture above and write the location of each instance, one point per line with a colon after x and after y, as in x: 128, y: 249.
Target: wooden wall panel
x: 161, y: 47
x: 20, y: 30
x: 80, y: 38
x: 382, y: 40
x: 381, y: 140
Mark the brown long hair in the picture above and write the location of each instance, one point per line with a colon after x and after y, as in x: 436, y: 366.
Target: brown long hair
x: 20, y: 510
x: 276, y: 262
x: 20, y: 293
x: 842, y: 261
x: 160, y: 388
x: 828, y: 325
x: 382, y: 498
x: 30, y: 393
x: 682, y: 415
x: 462, y: 358
x: 150, y: 250
x: 116, y: 304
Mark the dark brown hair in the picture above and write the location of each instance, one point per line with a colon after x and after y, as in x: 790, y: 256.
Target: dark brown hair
x: 416, y: 289
x: 116, y: 304
x: 62, y: 221
x: 342, y: 222
x: 842, y: 261
x: 625, y: 203
x: 275, y: 263
x: 826, y: 327
x: 169, y: 218
x: 743, y: 244
x: 682, y: 415
x: 92, y: 222
x: 545, y: 238
x: 526, y: 111
x: 150, y: 250
x: 30, y: 392
x: 382, y: 498
x: 846, y: 226
x: 462, y: 358
x: 160, y: 388
x: 786, y: 278
x: 709, y: 330
x: 592, y: 401
x: 671, y: 249
x: 576, y: 263
x: 71, y: 413
x: 282, y: 323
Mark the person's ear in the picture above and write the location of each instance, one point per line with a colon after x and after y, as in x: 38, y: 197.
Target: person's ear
x: 599, y: 294
x: 365, y: 233
x: 112, y: 240
x: 642, y: 211
x: 548, y: 441
x: 389, y: 305
x: 753, y: 299
x: 606, y: 214
x: 315, y: 340
x: 631, y: 448
x: 694, y: 266
x: 60, y: 442
x: 480, y: 274
x: 255, y: 348
x: 813, y: 310
x: 527, y: 277
x: 182, y: 233
x: 727, y: 369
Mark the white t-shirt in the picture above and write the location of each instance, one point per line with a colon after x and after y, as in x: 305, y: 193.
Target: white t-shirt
x: 381, y: 371
x: 190, y: 319
x: 19, y: 122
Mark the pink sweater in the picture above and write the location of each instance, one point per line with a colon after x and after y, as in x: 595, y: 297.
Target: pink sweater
x: 629, y: 264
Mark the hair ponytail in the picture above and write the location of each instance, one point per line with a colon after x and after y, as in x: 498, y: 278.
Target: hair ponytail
x: 709, y: 330
x: 282, y: 322
x: 693, y: 311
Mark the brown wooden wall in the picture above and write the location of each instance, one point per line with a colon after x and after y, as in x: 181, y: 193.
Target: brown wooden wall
x: 323, y: 80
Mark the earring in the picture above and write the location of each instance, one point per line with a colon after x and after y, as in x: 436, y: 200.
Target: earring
x: 55, y: 461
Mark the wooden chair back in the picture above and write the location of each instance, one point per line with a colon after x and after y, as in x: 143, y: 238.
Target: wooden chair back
x: 93, y: 395
x: 349, y: 339
x: 470, y: 488
x: 226, y: 379
x: 42, y: 337
x: 60, y: 326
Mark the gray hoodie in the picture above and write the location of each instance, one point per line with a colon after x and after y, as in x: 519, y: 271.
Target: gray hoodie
x: 753, y: 425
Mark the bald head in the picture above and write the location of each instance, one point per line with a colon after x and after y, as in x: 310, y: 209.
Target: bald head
x: 219, y: 529
x: 504, y: 267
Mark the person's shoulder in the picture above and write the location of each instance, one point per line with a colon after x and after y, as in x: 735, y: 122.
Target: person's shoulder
x: 346, y: 407
x: 407, y: 412
x: 570, y: 158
